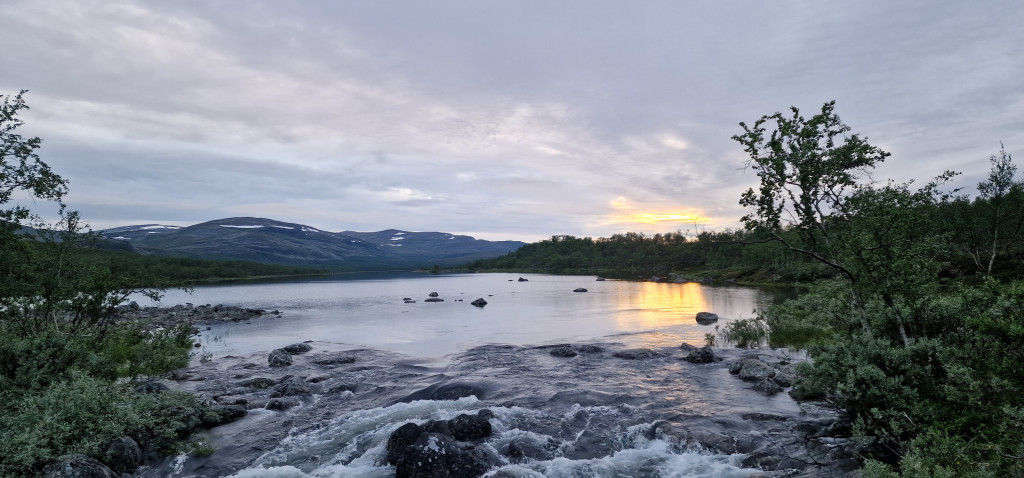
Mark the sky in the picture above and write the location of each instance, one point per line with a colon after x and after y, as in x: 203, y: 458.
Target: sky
x: 504, y: 120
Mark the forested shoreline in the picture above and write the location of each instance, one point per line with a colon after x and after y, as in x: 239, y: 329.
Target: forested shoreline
x: 914, y: 310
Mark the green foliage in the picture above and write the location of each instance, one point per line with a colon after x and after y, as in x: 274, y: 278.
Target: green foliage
x: 80, y: 414
x: 60, y: 350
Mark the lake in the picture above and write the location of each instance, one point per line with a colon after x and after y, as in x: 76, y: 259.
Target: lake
x: 367, y: 310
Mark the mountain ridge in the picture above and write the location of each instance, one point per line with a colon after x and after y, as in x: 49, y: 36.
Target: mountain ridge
x: 271, y: 241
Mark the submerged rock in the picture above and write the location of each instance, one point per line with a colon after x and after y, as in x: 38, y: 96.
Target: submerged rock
x: 562, y: 352
x: 479, y: 302
x: 281, y: 404
x: 433, y: 299
x: 579, y: 289
x: 523, y: 279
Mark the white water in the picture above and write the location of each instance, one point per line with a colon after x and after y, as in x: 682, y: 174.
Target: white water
x: 591, y: 414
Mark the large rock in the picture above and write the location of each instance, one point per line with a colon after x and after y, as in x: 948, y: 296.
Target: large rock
x: 470, y: 427
x: 225, y: 414
x: 706, y: 318
x: 637, y: 354
x: 701, y: 355
x: 77, y: 466
x: 122, y: 454
x: 479, y: 302
x: 279, y: 358
x: 755, y: 370
x: 767, y: 387
x: 419, y: 453
x: 296, y: 349
x: 292, y: 387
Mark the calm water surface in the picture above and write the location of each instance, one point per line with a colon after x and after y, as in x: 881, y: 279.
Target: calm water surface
x: 367, y: 310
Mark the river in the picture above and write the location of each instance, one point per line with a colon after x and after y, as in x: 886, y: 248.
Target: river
x: 377, y: 361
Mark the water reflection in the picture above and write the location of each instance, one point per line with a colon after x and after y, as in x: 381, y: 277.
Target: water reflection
x: 668, y: 310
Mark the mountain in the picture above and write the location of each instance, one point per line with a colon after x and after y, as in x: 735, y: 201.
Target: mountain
x: 274, y: 242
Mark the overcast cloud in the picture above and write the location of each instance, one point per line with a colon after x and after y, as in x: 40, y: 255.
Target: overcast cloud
x: 502, y: 120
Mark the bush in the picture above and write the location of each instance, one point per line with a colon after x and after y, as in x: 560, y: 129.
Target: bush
x: 81, y: 413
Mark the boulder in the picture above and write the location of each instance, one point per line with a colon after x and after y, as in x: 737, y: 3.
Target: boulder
x: 523, y: 279
x: 433, y: 299
x: 296, y: 349
x: 433, y: 455
x: 687, y: 347
x: 706, y: 318
x: 767, y: 387
x: 279, y: 358
x: 433, y: 294
x: 589, y: 349
x: 258, y: 382
x: 225, y: 414
x: 291, y: 387
x: 756, y: 370
x: 479, y: 302
x: 470, y: 427
x: 579, y: 289
x: 77, y: 466
x: 281, y: 404
x: 701, y: 355
x: 636, y: 354
x: 122, y: 454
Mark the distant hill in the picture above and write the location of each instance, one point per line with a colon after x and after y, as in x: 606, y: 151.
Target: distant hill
x: 274, y: 242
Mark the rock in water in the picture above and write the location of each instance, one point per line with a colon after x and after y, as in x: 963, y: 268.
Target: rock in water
x: 755, y: 369
x: 429, y: 451
x: 579, y: 289
x: 469, y: 427
x: 562, y: 352
x: 636, y: 354
x: 479, y: 302
x: 279, y: 358
x: 701, y: 355
x: 296, y: 349
x: 77, y: 466
x: 706, y: 318
x: 433, y: 294
x: 522, y: 279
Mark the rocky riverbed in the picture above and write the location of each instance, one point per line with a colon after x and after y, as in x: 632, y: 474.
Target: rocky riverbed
x: 569, y: 410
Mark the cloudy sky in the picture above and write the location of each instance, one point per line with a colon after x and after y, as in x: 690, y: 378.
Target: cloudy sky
x: 501, y: 120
